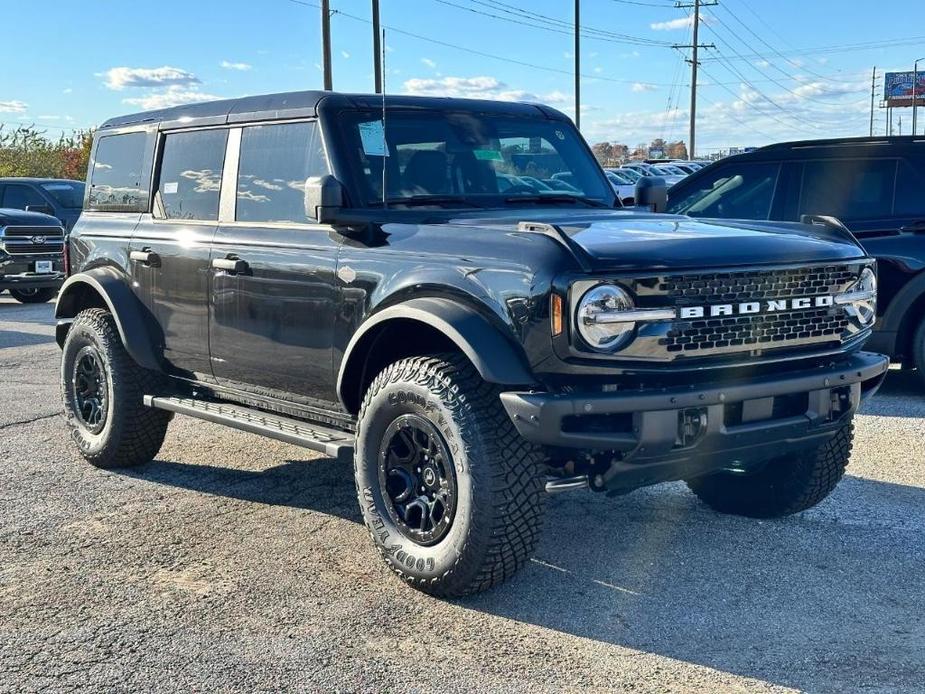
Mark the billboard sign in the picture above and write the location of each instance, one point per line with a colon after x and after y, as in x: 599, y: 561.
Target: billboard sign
x: 898, y: 89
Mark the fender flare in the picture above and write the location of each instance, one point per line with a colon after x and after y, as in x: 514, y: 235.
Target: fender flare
x: 127, y: 311
x: 494, y: 356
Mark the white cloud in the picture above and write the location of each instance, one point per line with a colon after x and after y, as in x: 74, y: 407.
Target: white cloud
x: 68, y: 91
x: 673, y: 24
x: 640, y: 87
x: 345, y: 54
x: 429, y: 63
x: 13, y: 106
x: 481, y: 87
x: 173, y: 96
x: 118, y: 78
x: 241, y: 67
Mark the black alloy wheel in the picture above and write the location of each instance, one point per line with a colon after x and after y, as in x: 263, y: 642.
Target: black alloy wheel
x: 416, y: 472
x: 89, y: 387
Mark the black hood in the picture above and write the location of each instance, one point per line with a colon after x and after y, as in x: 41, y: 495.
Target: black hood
x: 625, y: 240
x: 9, y: 217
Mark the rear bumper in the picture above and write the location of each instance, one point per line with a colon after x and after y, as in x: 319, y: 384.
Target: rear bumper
x: 705, y: 428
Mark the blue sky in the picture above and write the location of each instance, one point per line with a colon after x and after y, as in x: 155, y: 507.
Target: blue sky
x: 784, y: 69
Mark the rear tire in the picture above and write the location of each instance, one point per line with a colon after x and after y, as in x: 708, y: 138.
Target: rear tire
x: 33, y: 296
x: 102, y: 388
x: 918, y: 352
x: 782, y: 487
x: 487, y: 480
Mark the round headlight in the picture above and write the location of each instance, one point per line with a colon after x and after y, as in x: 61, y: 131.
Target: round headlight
x: 863, y: 294
x: 598, y: 302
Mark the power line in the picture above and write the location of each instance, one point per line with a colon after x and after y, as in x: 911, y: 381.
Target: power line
x: 554, y: 26
x: 473, y: 51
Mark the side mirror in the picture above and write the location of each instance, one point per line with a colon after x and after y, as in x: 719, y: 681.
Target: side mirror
x: 652, y: 193
x: 324, y: 198
x: 43, y: 209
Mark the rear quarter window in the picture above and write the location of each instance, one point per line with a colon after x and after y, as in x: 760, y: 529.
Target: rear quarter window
x: 120, y: 173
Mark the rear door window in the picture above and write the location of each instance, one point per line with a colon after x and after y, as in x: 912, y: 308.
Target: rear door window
x: 120, y: 173
x: 741, y: 191
x: 190, y: 180
x: 276, y: 162
x: 850, y: 189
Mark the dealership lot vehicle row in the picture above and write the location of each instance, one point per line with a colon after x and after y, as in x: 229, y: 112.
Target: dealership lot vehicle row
x: 214, y: 568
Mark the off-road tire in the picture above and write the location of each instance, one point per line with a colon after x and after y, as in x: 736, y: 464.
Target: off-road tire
x: 37, y: 296
x: 499, y: 480
x: 132, y: 433
x: 918, y: 352
x: 782, y: 487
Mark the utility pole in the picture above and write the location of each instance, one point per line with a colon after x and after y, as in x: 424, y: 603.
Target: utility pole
x: 696, y: 46
x: 578, y: 64
x: 915, y: 103
x: 377, y: 48
x: 326, y: 44
x: 873, y: 94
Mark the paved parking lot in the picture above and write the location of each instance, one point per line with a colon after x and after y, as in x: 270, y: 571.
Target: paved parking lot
x: 233, y: 563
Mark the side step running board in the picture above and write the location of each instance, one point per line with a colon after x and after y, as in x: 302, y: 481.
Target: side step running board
x: 333, y: 443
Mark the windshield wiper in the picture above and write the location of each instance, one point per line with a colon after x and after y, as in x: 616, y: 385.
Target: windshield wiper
x: 424, y: 200
x: 563, y: 197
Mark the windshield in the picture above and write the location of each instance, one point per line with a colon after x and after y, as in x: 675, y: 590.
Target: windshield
x: 66, y: 193
x: 469, y: 159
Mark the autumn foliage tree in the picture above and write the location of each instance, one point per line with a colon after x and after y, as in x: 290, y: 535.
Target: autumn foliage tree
x: 28, y: 151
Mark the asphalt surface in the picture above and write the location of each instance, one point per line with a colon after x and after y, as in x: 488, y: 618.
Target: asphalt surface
x: 233, y: 563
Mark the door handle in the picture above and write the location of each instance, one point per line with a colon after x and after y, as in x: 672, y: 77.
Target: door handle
x: 232, y: 265
x: 146, y: 257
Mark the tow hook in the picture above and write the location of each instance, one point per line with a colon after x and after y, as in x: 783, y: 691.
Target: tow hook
x: 558, y: 485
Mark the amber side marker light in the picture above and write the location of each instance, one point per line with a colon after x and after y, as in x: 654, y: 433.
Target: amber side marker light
x: 555, y: 314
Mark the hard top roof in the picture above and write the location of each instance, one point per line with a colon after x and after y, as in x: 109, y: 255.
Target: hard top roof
x: 308, y: 103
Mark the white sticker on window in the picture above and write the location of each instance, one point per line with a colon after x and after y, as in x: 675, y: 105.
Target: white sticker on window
x: 372, y: 135
x: 171, y: 187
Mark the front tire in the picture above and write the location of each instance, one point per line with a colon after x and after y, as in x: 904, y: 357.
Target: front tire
x: 33, y: 296
x: 451, y: 494
x: 102, y: 388
x: 782, y: 487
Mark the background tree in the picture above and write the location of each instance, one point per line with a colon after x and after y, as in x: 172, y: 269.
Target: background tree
x: 28, y: 151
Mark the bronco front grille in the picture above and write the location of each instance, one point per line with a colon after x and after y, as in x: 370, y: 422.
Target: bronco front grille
x: 32, y: 240
x: 757, y: 285
x: 736, y: 333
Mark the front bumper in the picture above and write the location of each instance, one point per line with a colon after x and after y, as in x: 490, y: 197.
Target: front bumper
x: 19, y: 273
x: 703, y: 428
x: 31, y: 280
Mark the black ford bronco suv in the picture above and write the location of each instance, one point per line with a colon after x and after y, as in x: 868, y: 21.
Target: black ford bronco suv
x: 31, y: 255
x: 345, y: 273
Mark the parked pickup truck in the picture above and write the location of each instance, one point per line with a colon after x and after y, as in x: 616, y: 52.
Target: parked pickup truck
x: 31, y: 255
x: 344, y: 272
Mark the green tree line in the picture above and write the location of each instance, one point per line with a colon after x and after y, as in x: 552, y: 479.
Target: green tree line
x: 29, y: 151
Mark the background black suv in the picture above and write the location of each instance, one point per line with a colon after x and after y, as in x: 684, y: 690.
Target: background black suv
x: 874, y: 186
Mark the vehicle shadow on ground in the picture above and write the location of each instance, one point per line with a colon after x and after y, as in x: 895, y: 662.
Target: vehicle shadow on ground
x: 16, y: 338
x: 831, y: 599
x: 321, y: 484
x: 901, y: 395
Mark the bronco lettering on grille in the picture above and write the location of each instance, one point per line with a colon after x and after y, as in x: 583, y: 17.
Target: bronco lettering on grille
x: 756, y: 307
